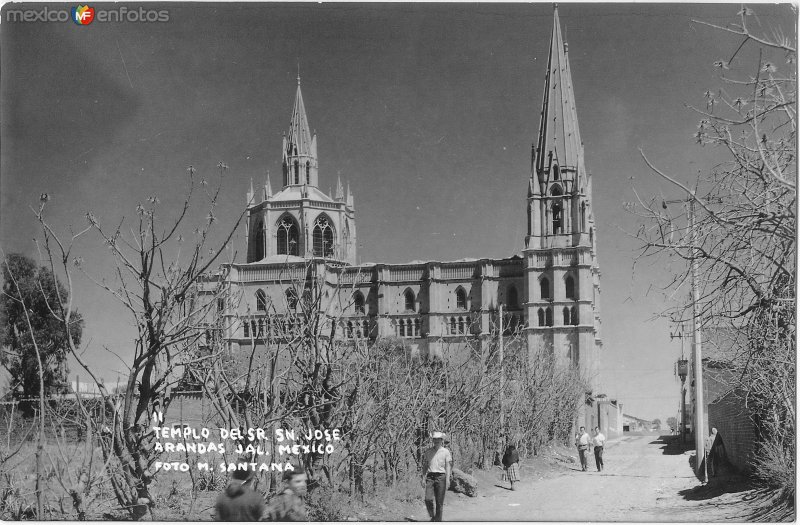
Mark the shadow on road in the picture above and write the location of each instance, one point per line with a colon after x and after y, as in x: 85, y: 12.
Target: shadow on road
x: 716, y: 487
x: 672, y: 445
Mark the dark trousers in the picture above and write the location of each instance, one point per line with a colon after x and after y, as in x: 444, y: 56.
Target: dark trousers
x: 434, y: 494
x: 598, y: 457
x: 582, y: 453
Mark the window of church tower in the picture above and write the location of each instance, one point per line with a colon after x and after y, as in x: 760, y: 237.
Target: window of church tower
x: 417, y: 327
x: 461, y: 298
x: 296, y: 172
x: 566, y: 316
x: 246, y: 327
x: 308, y: 172
x: 512, y: 298
x: 583, y: 216
x: 569, y: 285
x: 556, y: 172
x: 261, y: 301
x: 323, y: 237
x: 544, y: 288
x: 460, y: 325
x: 258, y: 252
x: 453, y: 326
x: 409, y: 301
x: 557, y: 221
x: 573, y: 316
x: 288, y: 238
x: 548, y: 315
x: 358, y: 302
x: 540, y: 315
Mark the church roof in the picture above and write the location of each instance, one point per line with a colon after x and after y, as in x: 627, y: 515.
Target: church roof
x: 558, y: 130
x: 299, y: 132
x: 295, y: 193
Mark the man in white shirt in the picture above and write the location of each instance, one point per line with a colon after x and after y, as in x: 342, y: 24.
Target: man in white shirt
x: 582, y: 442
x: 599, y: 441
x: 437, y: 465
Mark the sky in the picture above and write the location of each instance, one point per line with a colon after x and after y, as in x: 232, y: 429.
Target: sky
x: 427, y: 110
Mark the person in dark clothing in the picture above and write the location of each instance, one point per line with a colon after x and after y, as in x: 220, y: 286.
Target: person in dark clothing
x: 289, y: 504
x: 511, y: 465
x: 239, y: 502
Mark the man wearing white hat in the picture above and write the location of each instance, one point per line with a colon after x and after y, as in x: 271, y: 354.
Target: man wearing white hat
x: 437, y: 465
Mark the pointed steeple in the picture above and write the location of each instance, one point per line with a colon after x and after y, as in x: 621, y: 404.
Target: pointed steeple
x: 299, y: 132
x: 299, y: 147
x: 250, y: 193
x: 349, y: 195
x: 339, y: 188
x: 559, y: 142
x: 267, y: 188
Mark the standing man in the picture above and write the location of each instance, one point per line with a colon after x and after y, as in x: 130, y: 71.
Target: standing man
x: 599, y: 441
x: 437, y: 465
x: 289, y: 505
x: 239, y: 502
x: 582, y: 442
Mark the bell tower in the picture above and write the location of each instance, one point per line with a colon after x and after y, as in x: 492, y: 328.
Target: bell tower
x: 561, y: 264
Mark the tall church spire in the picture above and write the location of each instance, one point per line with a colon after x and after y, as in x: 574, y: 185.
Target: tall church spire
x: 559, y: 192
x: 559, y: 142
x: 299, y: 147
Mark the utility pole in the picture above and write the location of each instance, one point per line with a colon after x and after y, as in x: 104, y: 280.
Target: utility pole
x: 697, y: 355
x: 697, y: 340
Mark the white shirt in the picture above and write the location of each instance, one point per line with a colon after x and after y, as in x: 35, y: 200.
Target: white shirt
x: 437, y: 460
x: 584, y: 439
x: 599, y: 440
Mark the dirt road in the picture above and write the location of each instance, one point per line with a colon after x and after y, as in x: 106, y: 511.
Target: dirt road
x: 640, y: 482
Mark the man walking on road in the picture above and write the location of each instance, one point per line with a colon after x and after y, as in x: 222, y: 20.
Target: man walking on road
x: 582, y: 442
x: 437, y: 466
x: 599, y: 441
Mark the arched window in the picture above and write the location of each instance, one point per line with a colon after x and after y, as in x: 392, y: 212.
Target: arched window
x: 557, y: 220
x: 544, y: 288
x: 409, y: 300
x: 540, y: 314
x: 260, y: 328
x: 308, y: 172
x: 460, y: 325
x: 569, y: 286
x: 591, y: 235
x: 261, y: 301
x: 358, y: 302
x: 566, y: 316
x: 258, y: 251
x: 246, y: 327
x: 452, y: 326
x: 323, y: 237
x: 288, y: 238
x: 574, y: 316
x: 556, y: 172
x: 365, y: 328
x: 291, y: 298
x: 402, y: 327
x: 349, y: 329
x: 417, y: 326
x: 548, y: 317
x: 461, y: 298
x: 512, y: 298
x: 296, y: 172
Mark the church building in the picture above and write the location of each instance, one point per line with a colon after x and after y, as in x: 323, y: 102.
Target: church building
x: 549, y: 295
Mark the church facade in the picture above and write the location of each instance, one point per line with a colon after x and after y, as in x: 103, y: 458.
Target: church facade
x: 549, y: 295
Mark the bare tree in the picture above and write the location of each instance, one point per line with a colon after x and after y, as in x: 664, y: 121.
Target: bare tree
x: 155, y: 281
x: 745, y: 225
